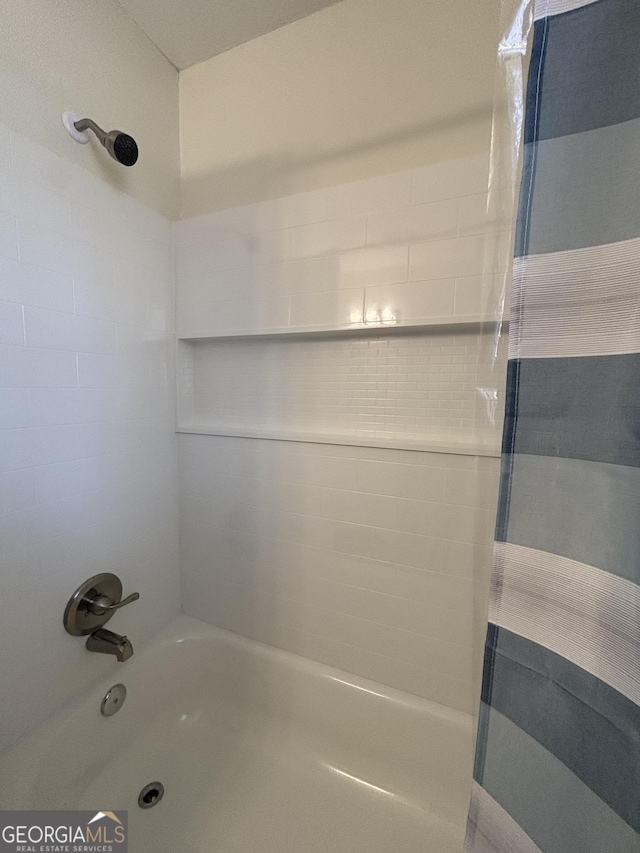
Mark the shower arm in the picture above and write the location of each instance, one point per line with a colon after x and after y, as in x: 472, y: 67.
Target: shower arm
x: 88, y: 124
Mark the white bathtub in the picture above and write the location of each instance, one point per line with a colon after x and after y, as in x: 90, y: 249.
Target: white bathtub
x: 259, y: 751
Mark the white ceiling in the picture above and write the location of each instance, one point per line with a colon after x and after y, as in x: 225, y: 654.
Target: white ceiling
x: 189, y: 31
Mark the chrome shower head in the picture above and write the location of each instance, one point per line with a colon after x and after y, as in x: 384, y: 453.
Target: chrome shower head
x: 120, y: 146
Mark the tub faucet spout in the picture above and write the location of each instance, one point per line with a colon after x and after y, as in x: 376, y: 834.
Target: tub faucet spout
x: 108, y: 643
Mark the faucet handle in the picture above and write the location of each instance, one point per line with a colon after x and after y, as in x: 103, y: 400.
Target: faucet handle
x: 102, y: 603
x: 94, y: 603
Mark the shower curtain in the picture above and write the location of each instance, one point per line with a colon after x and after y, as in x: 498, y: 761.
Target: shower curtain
x: 558, y: 756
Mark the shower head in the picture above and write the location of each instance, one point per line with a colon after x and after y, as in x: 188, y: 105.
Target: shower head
x: 120, y: 146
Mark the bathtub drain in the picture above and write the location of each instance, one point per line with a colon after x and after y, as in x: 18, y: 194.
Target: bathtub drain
x: 151, y: 795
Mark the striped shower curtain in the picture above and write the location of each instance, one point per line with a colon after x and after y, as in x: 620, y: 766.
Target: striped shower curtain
x: 558, y: 758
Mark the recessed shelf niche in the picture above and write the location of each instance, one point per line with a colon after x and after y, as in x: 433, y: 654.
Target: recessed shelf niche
x: 422, y: 387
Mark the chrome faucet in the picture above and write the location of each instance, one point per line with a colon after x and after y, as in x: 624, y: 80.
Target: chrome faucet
x: 108, y: 643
x: 90, y: 608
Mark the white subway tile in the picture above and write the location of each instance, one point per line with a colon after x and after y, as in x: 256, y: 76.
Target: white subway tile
x: 32, y: 161
x: 106, y: 438
x: 14, y: 408
x: 269, y: 247
x: 42, y: 247
x: 195, y: 230
x: 5, y: 148
x: 328, y: 238
x: 210, y: 288
x: 450, y: 179
x: 107, y: 303
x: 34, y: 286
x: 464, y: 558
x: 414, y: 223
x: 62, y: 480
x: 8, y: 236
x: 16, y: 529
x: 71, y: 405
x: 271, y: 215
x: 11, y: 324
x: 459, y: 523
x: 447, y: 258
x: 309, y: 275
x: 471, y: 488
x: 7, y: 192
x: 370, y: 267
x: 331, y: 471
x: 197, y: 318
x: 302, y: 209
x: 98, y: 371
x: 392, y: 546
x: 328, y: 308
x: 420, y: 484
x: 240, y: 315
x: 94, y: 224
x: 473, y: 217
x: 134, y: 343
x: 91, y: 513
x: 17, y: 490
x: 225, y: 252
x: 381, y: 478
x: 91, y: 263
x: 23, y: 367
x: 55, y: 330
x: 416, y: 301
x: 446, y: 690
x: 42, y: 205
x: 261, y: 282
x: 359, y: 508
x: 471, y: 297
x: 308, y: 545
x: 499, y: 249
x: 88, y: 190
x: 375, y: 385
x: 361, y: 557
x: 24, y: 448
x: 381, y: 193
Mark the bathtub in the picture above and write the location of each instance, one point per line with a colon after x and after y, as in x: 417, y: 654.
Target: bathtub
x: 259, y: 751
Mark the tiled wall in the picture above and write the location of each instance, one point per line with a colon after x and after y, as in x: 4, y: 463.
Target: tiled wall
x: 361, y: 558
x: 364, y: 558
x: 87, y: 451
x: 409, y: 245
x: 438, y: 384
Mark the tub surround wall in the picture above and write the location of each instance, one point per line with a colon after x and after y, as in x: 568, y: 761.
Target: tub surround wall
x: 88, y: 56
x: 330, y: 228
x: 361, y: 557
x: 405, y: 390
x: 87, y: 451
x: 411, y: 243
x: 360, y: 89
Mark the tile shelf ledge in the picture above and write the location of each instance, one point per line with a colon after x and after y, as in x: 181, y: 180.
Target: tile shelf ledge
x: 352, y: 439
x: 449, y: 321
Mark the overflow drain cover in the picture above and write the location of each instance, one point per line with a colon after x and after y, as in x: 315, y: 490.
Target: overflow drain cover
x: 113, y: 700
x: 151, y: 795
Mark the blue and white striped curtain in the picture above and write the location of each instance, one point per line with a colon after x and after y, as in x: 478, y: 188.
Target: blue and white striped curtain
x: 558, y: 756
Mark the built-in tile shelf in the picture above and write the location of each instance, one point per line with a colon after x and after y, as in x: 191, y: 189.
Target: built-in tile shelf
x: 347, y: 439
x: 359, y: 329
x: 432, y: 387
